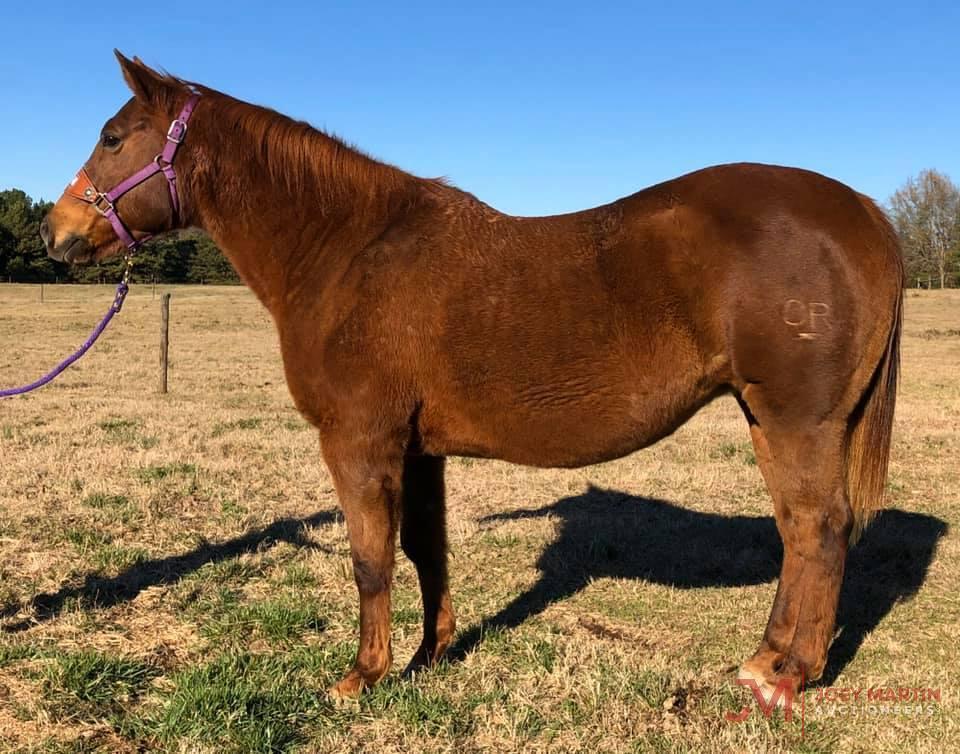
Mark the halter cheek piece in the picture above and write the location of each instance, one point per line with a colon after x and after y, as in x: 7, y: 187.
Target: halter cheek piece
x: 83, y: 188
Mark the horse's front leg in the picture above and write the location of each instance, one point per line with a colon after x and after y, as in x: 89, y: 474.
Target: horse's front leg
x: 367, y: 470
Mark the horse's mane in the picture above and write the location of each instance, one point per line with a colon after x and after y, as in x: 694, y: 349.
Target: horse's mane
x: 297, y: 154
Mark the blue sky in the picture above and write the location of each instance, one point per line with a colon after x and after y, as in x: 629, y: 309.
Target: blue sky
x: 535, y: 107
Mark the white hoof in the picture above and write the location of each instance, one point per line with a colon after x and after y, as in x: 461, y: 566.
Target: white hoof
x: 771, y: 693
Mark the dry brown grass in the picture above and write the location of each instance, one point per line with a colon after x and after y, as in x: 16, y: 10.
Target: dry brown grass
x: 173, y: 575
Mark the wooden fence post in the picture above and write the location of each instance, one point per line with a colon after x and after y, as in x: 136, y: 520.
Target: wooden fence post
x: 164, y: 339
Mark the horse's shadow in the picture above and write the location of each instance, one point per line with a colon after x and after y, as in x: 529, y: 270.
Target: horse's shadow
x: 602, y: 533
x: 605, y: 533
x: 103, y: 591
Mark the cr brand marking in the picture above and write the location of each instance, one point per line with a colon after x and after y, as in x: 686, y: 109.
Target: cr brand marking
x: 810, y: 319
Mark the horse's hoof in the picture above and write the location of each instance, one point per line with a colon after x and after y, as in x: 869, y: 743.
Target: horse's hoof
x: 348, y: 689
x: 779, y: 690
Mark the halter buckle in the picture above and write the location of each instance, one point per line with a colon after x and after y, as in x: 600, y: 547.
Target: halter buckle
x: 177, y: 131
x: 102, y: 205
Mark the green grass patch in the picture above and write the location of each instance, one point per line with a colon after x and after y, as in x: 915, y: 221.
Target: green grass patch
x: 113, y: 507
x: 113, y: 557
x: 221, y: 428
x: 232, y: 509
x: 298, y: 576
x: 278, y: 621
x: 204, y: 590
x: 501, y: 541
x: 16, y: 652
x: 542, y: 653
x: 239, y: 702
x: 521, y: 648
x: 101, y: 501
x: 101, y: 549
x: 118, y: 426
x: 423, y: 711
x: 653, y: 688
x: 530, y: 722
x: 726, y: 451
x: 729, y: 451
x: 93, y: 686
x: 120, y: 431
x: 407, y: 615
x: 230, y: 569
x: 86, y: 540
x: 163, y: 471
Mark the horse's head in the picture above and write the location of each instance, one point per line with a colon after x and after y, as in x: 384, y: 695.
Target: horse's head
x: 83, y: 224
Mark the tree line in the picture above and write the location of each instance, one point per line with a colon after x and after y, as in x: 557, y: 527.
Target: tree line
x: 183, y: 257
x: 925, y: 211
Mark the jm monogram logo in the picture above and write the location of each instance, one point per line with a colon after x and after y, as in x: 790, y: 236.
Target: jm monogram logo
x: 809, y: 319
x: 783, y: 691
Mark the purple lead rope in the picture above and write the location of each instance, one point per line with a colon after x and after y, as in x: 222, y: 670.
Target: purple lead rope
x: 115, y: 307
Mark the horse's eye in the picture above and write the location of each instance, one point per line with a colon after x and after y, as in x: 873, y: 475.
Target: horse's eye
x: 110, y: 141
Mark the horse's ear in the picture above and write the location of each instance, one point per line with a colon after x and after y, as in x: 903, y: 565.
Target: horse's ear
x: 147, y: 85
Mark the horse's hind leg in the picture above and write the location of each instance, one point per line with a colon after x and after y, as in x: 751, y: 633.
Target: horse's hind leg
x: 803, y: 469
x: 424, y: 540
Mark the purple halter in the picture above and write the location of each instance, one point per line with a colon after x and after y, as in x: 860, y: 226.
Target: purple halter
x: 83, y: 188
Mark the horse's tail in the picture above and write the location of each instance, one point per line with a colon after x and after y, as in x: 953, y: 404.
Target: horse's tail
x: 871, y: 425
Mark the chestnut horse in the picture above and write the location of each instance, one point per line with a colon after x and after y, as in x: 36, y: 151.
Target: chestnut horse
x: 416, y: 323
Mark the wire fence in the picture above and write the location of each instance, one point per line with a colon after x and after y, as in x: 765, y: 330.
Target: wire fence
x: 932, y: 281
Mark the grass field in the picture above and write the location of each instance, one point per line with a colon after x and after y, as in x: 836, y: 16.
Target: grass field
x: 174, y: 575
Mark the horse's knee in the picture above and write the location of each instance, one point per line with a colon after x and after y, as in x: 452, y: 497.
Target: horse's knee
x: 371, y: 578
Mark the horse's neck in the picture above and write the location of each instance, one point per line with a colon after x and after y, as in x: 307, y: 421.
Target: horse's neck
x: 278, y: 235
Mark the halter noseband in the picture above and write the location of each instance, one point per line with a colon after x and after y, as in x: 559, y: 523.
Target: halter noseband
x: 83, y: 188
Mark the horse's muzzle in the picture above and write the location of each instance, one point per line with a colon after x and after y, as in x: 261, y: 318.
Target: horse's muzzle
x: 73, y: 250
